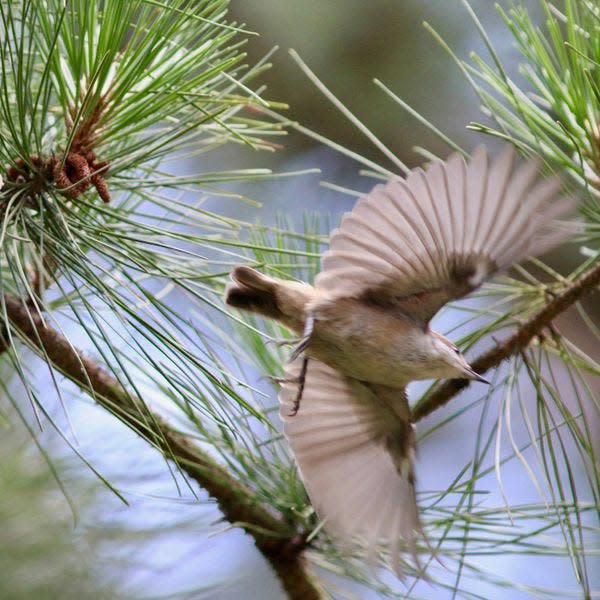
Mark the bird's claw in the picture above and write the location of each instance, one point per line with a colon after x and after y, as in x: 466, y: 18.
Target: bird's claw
x: 301, y: 345
x: 300, y: 348
x: 283, y: 341
x: 299, y: 379
x: 304, y: 341
x: 281, y: 380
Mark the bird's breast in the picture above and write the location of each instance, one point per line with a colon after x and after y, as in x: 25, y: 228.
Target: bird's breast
x: 368, y: 342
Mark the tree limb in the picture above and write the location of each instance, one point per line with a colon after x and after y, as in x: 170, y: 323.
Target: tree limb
x: 237, y: 502
x: 444, y: 392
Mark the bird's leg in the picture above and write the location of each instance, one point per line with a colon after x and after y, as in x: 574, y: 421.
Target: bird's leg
x: 309, y: 325
x: 302, y: 344
x: 301, y: 380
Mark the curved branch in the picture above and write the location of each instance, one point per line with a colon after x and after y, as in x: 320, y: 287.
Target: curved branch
x: 444, y: 392
x: 237, y: 502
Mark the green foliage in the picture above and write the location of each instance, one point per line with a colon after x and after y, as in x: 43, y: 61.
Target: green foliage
x: 95, y: 96
x: 556, y: 115
x: 102, y: 99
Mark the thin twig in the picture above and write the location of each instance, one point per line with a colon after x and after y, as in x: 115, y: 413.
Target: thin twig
x: 236, y: 501
x: 444, y: 392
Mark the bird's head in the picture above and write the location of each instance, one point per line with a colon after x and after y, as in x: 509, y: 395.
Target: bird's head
x: 448, y: 361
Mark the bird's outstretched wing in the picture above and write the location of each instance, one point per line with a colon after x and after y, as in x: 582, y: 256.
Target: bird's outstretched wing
x: 354, y: 445
x: 418, y: 243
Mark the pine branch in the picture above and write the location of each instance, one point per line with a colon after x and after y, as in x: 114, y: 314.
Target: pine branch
x: 444, y: 392
x: 236, y: 501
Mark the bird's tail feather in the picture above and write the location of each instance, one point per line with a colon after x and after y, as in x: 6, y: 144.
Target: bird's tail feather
x: 280, y: 299
x: 254, y: 292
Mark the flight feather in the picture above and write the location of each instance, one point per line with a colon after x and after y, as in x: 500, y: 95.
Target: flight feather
x: 417, y: 243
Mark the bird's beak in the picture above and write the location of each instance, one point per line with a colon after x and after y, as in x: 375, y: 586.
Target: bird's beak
x: 476, y: 376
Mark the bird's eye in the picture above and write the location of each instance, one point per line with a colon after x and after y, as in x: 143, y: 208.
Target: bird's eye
x: 457, y: 350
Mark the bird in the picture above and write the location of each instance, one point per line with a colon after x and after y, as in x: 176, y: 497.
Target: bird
x: 407, y: 248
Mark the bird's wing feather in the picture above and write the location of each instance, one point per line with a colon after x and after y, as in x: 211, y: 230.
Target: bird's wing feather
x: 354, y: 445
x: 418, y: 243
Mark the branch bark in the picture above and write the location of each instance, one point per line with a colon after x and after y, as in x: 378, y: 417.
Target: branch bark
x: 236, y: 501
x: 444, y: 392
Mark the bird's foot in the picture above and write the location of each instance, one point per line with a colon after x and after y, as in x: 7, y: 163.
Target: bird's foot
x: 284, y: 341
x: 301, y: 345
x: 301, y: 380
x: 281, y: 380
x: 305, y: 339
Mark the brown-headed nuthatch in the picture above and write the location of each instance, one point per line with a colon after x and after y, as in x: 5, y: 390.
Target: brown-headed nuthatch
x: 406, y: 249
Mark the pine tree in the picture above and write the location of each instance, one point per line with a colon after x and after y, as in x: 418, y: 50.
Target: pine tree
x: 112, y: 272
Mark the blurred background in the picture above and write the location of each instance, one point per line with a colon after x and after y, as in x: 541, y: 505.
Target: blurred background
x: 156, y: 546
x: 348, y: 43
